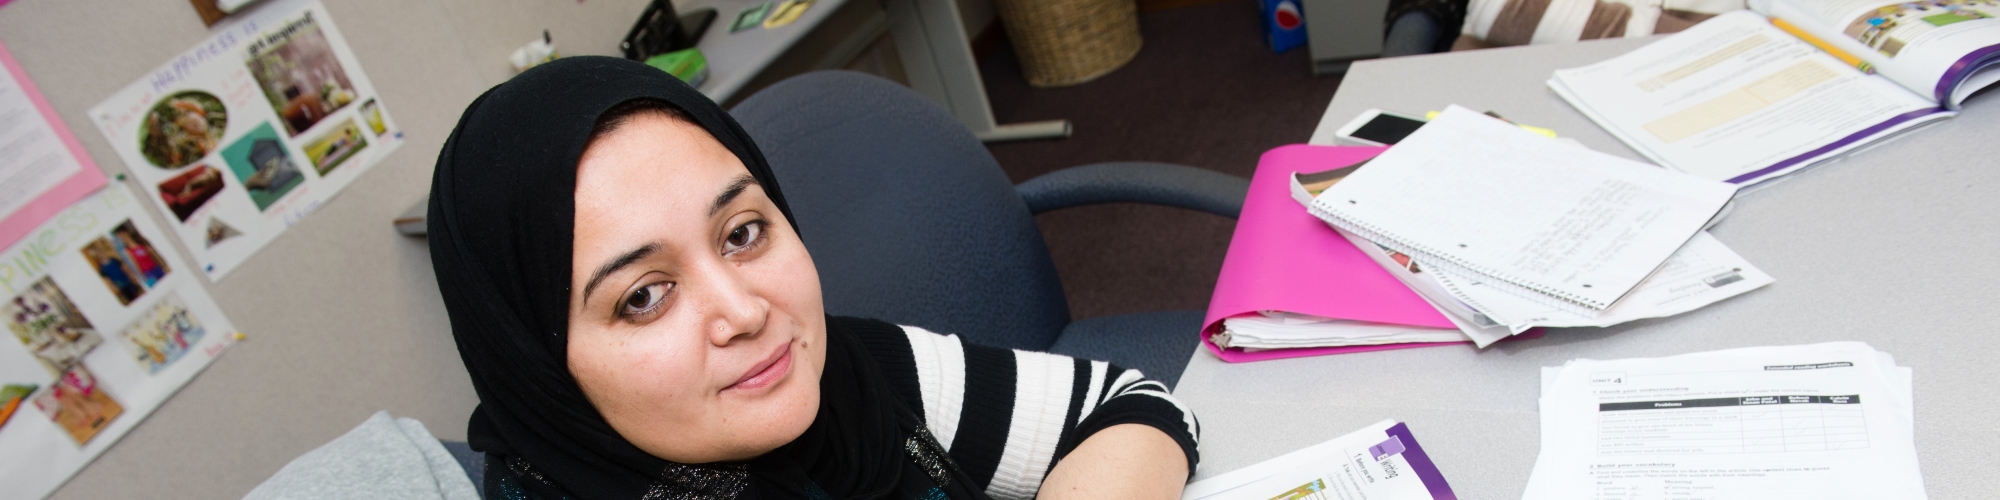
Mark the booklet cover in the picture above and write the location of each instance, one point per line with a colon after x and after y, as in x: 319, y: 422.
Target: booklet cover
x: 1379, y: 462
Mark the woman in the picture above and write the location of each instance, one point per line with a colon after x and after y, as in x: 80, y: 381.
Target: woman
x: 641, y: 320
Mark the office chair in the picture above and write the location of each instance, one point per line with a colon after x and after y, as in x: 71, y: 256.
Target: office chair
x: 910, y: 220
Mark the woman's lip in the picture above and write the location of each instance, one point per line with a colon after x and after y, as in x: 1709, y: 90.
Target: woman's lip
x: 766, y: 372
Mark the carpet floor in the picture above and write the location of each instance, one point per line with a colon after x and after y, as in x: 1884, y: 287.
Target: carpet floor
x: 1204, y: 91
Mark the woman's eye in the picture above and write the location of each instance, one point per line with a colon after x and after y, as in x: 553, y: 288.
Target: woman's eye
x: 743, y: 236
x: 645, y: 299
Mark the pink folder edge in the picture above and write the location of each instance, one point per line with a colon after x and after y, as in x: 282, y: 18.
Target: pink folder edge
x: 51, y: 202
x: 1274, y: 235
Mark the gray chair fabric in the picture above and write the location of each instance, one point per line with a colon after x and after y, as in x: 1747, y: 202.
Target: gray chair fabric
x: 910, y: 220
x: 474, y: 463
x: 383, y: 458
x: 1156, y: 343
x: 1136, y: 182
x: 907, y: 216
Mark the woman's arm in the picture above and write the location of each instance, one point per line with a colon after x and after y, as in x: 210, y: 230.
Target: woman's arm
x: 1122, y: 461
x: 1014, y: 421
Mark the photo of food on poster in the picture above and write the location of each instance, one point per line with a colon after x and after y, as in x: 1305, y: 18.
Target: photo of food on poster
x: 104, y: 321
x: 248, y: 132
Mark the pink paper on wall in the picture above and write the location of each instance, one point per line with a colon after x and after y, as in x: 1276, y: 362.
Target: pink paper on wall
x: 1282, y: 258
x: 54, y: 196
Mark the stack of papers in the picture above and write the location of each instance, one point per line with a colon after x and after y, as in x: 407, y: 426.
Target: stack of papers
x: 1502, y: 230
x: 1285, y: 330
x: 1832, y: 420
x: 1379, y: 462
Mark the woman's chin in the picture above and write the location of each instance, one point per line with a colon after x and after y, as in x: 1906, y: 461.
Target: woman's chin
x: 779, y: 413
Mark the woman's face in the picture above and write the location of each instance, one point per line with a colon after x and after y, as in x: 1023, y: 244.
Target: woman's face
x: 695, y: 327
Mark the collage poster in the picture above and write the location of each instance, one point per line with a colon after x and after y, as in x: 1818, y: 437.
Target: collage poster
x: 103, y: 322
x: 250, y: 131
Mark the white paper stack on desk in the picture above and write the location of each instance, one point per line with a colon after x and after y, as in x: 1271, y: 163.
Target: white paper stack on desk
x: 1504, y: 230
x: 1820, y: 421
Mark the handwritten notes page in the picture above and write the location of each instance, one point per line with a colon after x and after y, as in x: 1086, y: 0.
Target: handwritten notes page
x: 1542, y: 219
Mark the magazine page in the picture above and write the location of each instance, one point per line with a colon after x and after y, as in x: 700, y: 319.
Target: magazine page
x: 1736, y: 99
x: 1942, y: 49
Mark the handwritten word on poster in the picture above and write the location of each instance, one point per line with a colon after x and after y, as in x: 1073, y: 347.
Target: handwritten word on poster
x: 103, y: 322
x: 248, y: 132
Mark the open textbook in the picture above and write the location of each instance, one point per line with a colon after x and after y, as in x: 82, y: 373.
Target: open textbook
x: 1754, y: 94
x: 1820, y: 421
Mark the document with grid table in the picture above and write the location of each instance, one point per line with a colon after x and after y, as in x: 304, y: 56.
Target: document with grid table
x: 1831, y: 420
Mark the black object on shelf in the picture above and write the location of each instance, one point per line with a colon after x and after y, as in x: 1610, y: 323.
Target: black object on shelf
x: 659, y: 30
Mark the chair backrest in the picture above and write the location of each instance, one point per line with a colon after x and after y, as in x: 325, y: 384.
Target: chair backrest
x: 908, y: 217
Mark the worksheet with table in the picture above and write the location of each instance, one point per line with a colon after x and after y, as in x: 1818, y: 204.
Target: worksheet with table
x: 1829, y: 420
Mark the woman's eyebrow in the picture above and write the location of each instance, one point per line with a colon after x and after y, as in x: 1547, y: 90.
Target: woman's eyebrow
x: 730, y: 193
x: 615, y: 264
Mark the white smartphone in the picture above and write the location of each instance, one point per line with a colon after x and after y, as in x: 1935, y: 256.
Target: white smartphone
x: 1376, y: 127
x: 231, y: 6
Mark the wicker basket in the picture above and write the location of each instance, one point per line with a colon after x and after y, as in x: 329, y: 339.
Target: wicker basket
x: 1067, y: 42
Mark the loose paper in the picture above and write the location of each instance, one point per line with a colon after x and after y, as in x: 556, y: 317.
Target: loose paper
x: 42, y: 167
x: 104, y: 322
x: 1831, y: 420
x: 248, y: 132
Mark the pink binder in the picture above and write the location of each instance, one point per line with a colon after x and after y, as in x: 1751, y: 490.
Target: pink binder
x: 1282, y: 258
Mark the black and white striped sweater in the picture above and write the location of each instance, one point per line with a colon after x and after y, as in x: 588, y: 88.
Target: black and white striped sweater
x: 1007, y: 416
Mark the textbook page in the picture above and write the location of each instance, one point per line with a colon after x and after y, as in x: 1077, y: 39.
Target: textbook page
x: 1821, y: 421
x: 1569, y: 226
x: 1943, y: 50
x: 1378, y: 462
x: 1736, y: 99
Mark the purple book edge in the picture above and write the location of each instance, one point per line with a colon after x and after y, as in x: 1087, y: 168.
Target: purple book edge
x: 1843, y: 142
x: 1421, y: 463
x: 1962, y: 69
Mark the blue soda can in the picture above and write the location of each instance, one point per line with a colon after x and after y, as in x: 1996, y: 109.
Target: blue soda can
x: 1284, y: 24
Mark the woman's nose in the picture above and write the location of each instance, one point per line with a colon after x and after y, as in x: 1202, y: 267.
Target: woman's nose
x: 735, y: 308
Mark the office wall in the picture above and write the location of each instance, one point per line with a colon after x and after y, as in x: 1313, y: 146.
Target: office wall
x: 342, y: 314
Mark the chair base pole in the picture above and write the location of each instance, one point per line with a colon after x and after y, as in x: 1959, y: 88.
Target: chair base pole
x: 1049, y: 129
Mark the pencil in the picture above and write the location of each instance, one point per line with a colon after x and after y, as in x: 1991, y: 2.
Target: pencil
x: 1842, y: 55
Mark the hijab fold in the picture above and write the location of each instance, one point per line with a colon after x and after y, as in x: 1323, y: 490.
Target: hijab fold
x: 501, y: 225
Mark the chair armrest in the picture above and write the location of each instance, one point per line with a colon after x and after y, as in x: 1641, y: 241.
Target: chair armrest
x: 1136, y: 182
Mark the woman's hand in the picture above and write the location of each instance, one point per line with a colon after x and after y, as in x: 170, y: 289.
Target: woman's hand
x: 1122, y: 461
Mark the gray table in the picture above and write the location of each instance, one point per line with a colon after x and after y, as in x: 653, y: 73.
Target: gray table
x: 1891, y: 246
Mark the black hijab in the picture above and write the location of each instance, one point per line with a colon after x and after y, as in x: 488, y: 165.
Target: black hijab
x: 502, y: 211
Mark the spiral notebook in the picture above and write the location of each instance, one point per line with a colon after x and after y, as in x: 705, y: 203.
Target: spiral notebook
x: 1544, y: 219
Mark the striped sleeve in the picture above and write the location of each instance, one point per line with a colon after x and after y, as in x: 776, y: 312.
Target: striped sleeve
x: 1007, y: 417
